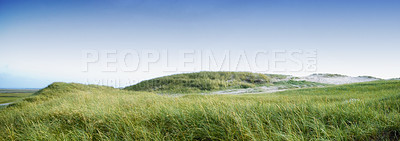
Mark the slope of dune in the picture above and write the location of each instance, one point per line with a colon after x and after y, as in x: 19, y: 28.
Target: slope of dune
x: 362, y: 111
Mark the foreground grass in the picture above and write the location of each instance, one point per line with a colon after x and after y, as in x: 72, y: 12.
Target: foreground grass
x: 364, y: 111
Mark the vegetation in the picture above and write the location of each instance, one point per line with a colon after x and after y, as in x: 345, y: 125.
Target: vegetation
x: 277, y: 76
x: 330, y: 75
x: 201, y: 81
x: 12, y: 95
x: 370, y: 77
x: 290, y: 84
x: 363, y: 111
x: 18, y: 90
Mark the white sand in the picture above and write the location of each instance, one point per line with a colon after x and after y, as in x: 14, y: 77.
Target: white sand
x: 336, y: 80
x: 319, y: 78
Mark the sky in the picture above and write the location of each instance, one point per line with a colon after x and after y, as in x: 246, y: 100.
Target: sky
x: 121, y: 42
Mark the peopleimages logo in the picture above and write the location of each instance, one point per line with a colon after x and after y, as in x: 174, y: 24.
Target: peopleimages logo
x: 262, y: 61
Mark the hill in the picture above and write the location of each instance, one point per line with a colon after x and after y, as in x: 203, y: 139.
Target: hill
x: 361, y: 111
x: 201, y: 81
x: 241, y: 82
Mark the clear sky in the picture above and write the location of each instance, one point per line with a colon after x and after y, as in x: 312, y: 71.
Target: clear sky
x: 42, y: 41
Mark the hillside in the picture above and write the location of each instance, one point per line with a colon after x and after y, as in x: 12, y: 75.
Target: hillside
x: 362, y: 111
x: 223, y: 83
x: 201, y: 81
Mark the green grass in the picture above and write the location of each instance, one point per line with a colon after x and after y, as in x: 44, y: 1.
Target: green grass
x: 12, y: 95
x: 290, y: 84
x: 277, y: 76
x: 330, y: 75
x: 363, y: 111
x: 201, y: 82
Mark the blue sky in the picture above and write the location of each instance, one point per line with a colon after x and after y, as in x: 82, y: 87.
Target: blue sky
x: 41, y: 41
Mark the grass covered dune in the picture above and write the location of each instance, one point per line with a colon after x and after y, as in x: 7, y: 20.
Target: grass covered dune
x: 201, y: 82
x: 363, y: 111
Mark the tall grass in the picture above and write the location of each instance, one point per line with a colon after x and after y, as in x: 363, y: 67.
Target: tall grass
x: 364, y: 111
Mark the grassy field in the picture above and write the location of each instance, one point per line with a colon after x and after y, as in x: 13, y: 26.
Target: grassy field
x: 12, y: 95
x: 363, y: 111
